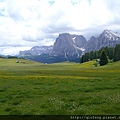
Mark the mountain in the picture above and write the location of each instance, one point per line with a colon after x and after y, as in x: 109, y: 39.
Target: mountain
x: 106, y: 38
x: 69, y: 45
x: 37, y: 50
x: 66, y: 47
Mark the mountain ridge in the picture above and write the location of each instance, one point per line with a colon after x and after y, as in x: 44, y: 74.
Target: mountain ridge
x: 72, y: 47
x: 106, y: 38
x: 37, y: 50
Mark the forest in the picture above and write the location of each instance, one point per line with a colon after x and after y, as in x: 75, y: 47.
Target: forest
x: 113, y: 54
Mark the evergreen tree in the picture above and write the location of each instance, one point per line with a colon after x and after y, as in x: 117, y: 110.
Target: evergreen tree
x: 86, y: 57
x: 96, y: 55
x: 82, y: 59
x: 91, y: 55
x: 103, y: 58
x: 117, y: 53
x: 111, y: 53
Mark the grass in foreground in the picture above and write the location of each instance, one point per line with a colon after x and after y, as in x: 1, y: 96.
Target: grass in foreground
x: 59, y: 89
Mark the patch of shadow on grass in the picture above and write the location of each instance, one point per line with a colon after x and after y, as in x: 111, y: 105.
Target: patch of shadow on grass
x: 65, y: 92
x: 86, y: 90
x: 37, y: 83
x: 16, y: 103
x: 3, y: 100
x: 2, y: 90
x: 36, y: 88
x: 7, y: 109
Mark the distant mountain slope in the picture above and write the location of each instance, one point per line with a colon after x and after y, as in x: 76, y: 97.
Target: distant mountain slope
x: 107, y: 38
x: 37, y: 50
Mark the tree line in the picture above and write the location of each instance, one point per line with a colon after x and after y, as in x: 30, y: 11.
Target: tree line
x: 111, y: 53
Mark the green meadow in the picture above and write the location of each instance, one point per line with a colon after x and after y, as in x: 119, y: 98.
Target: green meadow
x: 66, y: 88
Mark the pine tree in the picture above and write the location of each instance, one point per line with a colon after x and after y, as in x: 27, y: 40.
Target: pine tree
x: 103, y: 58
x: 91, y: 55
x: 117, y: 53
x: 82, y: 59
x: 96, y: 55
x: 111, y: 53
x: 86, y: 57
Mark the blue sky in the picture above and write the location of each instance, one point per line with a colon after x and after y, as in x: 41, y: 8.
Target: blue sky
x: 28, y: 23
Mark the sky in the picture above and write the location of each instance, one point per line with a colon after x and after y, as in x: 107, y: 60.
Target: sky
x: 28, y: 23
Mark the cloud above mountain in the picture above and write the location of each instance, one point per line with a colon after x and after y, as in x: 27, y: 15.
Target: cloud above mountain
x: 27, y: 23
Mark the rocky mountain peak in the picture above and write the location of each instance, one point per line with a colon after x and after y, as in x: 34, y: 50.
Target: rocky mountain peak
x: 106, y: 38
x: 109, y: 34
x: 69, y: 45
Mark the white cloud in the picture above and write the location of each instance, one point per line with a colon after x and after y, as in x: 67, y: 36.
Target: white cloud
x: 26, y: 23
x: 13, y: 50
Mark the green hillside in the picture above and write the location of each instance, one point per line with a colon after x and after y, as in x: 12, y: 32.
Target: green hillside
x: 31, y: 88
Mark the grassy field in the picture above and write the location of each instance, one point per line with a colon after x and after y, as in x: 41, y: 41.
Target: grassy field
x: 33, y: 88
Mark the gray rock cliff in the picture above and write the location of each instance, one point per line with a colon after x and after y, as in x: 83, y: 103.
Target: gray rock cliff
x: 69, y: 45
